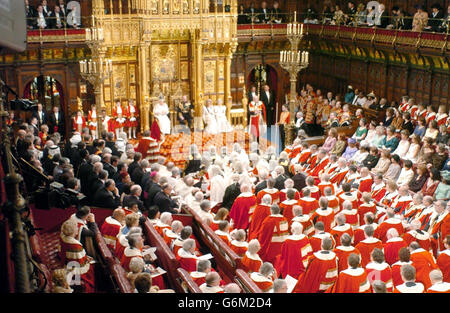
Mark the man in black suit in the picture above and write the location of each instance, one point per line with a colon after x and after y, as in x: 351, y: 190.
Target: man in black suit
x: 30, y: 14
x: 281, y: 178
x: 276, y: 15
x: 164, y: 202
x: 231, y: 192
x: 299, y: 178
x: 263, y: 175
x: 40, y: 114
x: 58, y: 20
x: 34, y: 124
x: 384, y: 17
x: 47, y: 13
x: 264, y: 13
x: 56, y: 122
x: 154, y: 189
x: 435, y: 18
x: 133, y: 198
x: 96, y: 182
x: 138, y: 173
x: 106, y: 160
x: 269, y: 102
x: 110, y: 143
x: 107, y: 196
x: 63, y: 9
x: 136, y: 160
x: 252, y: 14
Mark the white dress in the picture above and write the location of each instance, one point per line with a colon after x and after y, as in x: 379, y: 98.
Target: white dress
x: 161, y: 112
x: 209, y: 118
x: 223, y: 126
x: 218, y: 187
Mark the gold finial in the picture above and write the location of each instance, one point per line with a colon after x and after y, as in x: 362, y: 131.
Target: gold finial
x: 80, y: 104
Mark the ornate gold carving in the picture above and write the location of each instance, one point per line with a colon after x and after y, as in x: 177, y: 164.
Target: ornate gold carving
x: 210, y: 74
x: 120, y: 81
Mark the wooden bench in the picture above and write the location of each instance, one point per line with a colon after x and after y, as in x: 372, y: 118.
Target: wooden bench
x: 227, y: 260
x: 245, y: 282
x: 186, y: 281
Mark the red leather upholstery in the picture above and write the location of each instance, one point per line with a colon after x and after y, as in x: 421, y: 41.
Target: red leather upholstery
x: 121, y: 279
x: 187, y: 281
x: 226, y: 259
x: 245, y: 282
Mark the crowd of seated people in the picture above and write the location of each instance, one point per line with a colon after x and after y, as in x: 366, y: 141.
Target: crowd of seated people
x: 364, y: 14
x: 261, y: 15
x: 59, y: 17
x: 348, y: 206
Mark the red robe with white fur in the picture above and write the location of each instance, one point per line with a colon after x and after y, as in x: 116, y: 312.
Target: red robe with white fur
x: 110, y: 229
x: 351, y: 280
x: 241, y: 210
x: 272, y: 233
x: 294, y: 256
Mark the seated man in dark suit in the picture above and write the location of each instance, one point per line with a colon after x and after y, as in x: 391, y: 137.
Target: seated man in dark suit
x: 133, y: 165
x: 133, y: 198
x: 154, y: 189
x: 138, y: 173
x: 164, y: 202
x: 299, y: 178
x: 107, y: 196
x: 232, y: 192
x: 95, y: 183
x: 281, y: 178
x: 110, y: 143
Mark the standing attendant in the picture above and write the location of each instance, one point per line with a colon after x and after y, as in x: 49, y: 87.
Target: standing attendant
x: 92, y: 121
x: 257, y: 117
x: 119, y: 119
x: 269, y: 102
x: 132, y: 122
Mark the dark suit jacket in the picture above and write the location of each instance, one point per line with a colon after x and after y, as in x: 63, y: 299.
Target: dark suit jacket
x: 384, y: 20
x: 30, y: 15
x: 132, y: 167
x: 279, y: 181
x: 270, y: 106
x: 44, y: 117
x: 264, y: 18
x: 231, y: 193
x: 299, y: 181
x: 435, y: 22
x: 112, y: 146
x: 105, y: 199
x: 152, y: 191
x: 94, y: 186
x: 53, y: 21
x: 165, y: 203
x: 53, y: 122
x: 262, y: 185
x: 137, y: 175
x: 129, y: 200
x: 111, y: 171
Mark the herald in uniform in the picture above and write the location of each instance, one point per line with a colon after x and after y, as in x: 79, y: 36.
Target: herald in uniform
x: 257, y: 117
x: 92, y: 121
x: 132, y: 122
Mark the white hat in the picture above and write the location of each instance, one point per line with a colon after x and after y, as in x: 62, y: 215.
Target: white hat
x: 75, y: 140
x: 52, y: 150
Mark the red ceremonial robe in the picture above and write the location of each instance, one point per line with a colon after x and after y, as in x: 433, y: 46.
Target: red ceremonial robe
x: 321, y: 273
x: 420, y: 236
x: 351, y: 280
x: 424, y: 263
x: 263, y: 283
x: 396, y: 272
x: 240, y: 211
x: 294, y: 256
x: 316, y: 240
x: 251, y: 262
x: 366, y: 208
x: 148, y: 147
x: 351, y: 217
x: 109, y: 230
x: 378, y: 192
x: 441, y: 287
x: 382, y: 229
x: 339, y: 230
x: 365, y: 184
x: 443, y: 262
x: 73, y: 253
x: 326, y: 216
x: 274, y: 194
x: 187, y: 260
x: 380, y: 271
x: 128, y: 254
x: 271, y: 235
x: 286, y: 207
x: 338, y: 175
x: 366, y: 247
x: 391, y: 249
x: 239, y: 247
x: 256, y: 219
x: 323, y: 185
x: 284, y: 197
x: 308, y: 204
x: 342, y: 253
x: 305, y: 220
x: 358, y: 234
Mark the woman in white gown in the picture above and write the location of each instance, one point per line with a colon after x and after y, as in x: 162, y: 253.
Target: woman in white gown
x: 220, y: 111
x: 209, y: 118
x: 161, y: 113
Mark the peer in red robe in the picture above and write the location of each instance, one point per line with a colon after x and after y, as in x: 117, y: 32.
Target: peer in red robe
x: 338, y: 230
x: 149, y: 147
x: 391, y: 222
x: 391, y: 249
x: 286, y: 207
x: 424, y: 262
x: 308, y: 204
x: 259, y: 214
x: 320, y: 274
x: 273, y: 232
x: 241, y: 209
x: 324, y: 215
x: 342, y: 254
x: 273, y: 192
x: 188, y: 260
x: 366, y: 246
x: 443, y: 262
x: 294, y: 254
x: 109, y: 230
